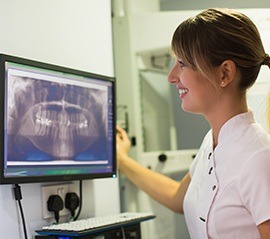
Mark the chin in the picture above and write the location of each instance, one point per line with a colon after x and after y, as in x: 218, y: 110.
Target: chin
x: 190, y: 109
x: 186, y: 108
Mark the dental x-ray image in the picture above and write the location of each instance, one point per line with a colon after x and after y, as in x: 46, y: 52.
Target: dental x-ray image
x: 58, y: 123
x: 50, y: 120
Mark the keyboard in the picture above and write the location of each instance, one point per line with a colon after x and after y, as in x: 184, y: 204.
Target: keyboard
x: 94, y: 224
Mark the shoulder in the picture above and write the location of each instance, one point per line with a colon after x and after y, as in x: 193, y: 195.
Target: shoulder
x: 253, y: 185
x: 256, y: 162
x: 260, y: 160
x: 255, y: 172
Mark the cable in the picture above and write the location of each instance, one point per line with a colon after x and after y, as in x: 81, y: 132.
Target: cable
x: 55, y: 204
x: 123, y: 233
x: 80, y: 204
x: 72, y: 202
x: 18, y: 197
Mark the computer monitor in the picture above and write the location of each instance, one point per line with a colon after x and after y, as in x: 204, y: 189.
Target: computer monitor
x: 57, y: 123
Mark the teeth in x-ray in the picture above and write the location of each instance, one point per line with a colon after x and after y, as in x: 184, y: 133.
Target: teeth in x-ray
x: 59, y: 128
x: 51, y: 118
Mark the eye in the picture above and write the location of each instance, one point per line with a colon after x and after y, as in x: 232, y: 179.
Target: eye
x: 181, y: 63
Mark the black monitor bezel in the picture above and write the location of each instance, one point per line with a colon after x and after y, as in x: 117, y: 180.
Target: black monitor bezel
x: 51, y: 178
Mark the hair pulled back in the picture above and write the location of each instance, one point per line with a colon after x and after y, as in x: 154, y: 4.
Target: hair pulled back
x: 216, y: 35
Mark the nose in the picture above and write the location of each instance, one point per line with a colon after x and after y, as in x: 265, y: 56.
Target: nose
x: 173, y: 76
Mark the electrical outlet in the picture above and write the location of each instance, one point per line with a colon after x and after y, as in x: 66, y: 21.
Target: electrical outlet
x: 61, y: 190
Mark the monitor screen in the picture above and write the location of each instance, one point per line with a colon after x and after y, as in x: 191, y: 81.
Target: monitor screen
x: 58, y: 123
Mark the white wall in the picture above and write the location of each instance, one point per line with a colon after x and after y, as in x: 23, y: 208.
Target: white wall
x: 70, y: 33
x: 175, y: 5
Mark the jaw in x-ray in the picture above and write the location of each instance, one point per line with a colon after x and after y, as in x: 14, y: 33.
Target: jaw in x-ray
x: 56, y: 119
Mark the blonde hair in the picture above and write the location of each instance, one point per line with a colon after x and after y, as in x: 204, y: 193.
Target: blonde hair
x: 216, y: 35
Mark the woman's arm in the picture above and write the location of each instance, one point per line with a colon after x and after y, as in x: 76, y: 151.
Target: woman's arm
x: 264, y: 229
x: 163, y: 189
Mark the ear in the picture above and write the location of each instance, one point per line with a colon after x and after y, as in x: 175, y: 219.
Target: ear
x: 228, y: 72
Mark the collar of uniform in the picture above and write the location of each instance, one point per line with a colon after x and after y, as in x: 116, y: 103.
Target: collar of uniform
x: 233, y: 125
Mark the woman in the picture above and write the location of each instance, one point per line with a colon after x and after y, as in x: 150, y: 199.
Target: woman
x: 226, y: 193
x: 268, y: 111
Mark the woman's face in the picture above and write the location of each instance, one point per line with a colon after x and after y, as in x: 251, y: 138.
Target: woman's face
x: 198, y: 94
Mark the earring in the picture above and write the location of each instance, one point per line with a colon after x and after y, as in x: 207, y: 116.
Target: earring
x: 222, y: 83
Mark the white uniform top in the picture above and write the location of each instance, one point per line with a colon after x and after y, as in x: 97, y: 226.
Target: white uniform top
x: 229, y: 192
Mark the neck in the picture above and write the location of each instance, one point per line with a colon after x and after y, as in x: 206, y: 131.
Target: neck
x: 223, y: 113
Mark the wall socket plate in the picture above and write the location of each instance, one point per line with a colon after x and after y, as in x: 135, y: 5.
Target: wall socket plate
x: 59, y: 189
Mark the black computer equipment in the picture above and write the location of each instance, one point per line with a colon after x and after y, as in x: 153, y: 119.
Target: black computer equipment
x: 57, y: 123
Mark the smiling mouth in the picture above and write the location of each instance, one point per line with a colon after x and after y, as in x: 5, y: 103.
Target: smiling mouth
x: 182, y: 92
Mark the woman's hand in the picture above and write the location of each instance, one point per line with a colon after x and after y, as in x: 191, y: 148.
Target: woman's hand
x: 122, y: 145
